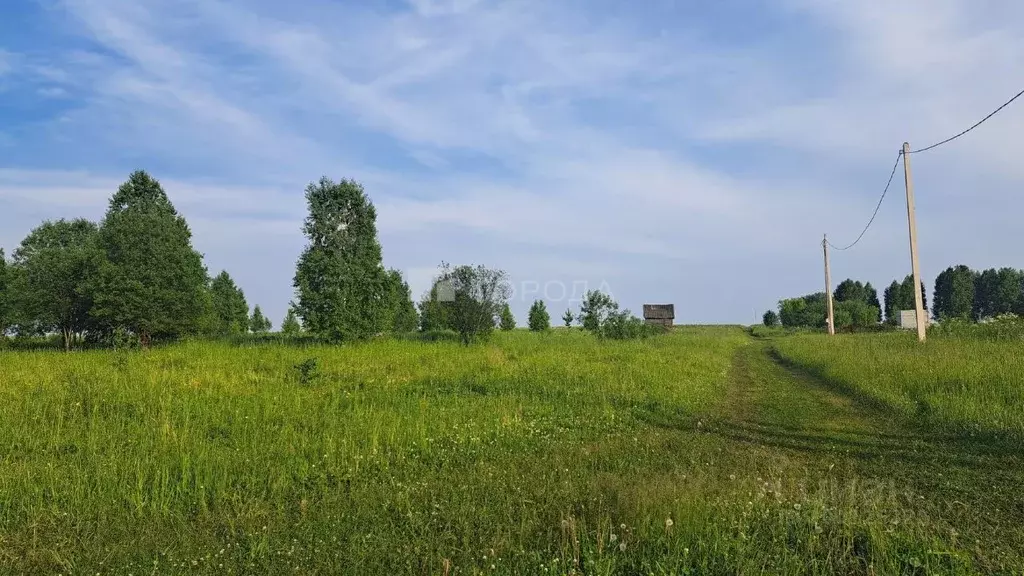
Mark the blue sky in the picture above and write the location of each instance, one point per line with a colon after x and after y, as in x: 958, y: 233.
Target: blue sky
x: 668, y: 151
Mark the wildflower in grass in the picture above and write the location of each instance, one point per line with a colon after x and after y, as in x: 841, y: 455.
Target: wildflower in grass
x: 797, y: 506
x: 613, y: 538
x: 622, y: 547
x: 669, y: 523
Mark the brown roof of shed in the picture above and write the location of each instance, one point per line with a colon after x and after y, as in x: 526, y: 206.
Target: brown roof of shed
x: 659, y: 311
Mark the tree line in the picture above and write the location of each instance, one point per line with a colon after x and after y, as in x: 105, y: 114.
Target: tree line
x: 135, y: 276
x: 135, y: 272
x: 960, y: 293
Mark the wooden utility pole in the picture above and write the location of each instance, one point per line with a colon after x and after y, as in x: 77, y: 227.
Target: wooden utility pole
x: 922, y: 319
x: 828, y: 290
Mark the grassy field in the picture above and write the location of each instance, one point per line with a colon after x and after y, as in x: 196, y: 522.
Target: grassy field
x: 692, y: 453
x: 962, y: 384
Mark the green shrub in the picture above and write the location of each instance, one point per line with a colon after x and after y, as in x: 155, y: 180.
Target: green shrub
x: 624, y: 326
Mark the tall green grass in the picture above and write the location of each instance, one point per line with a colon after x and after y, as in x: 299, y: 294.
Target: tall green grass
x: 974, y: 385
x: 532, y: 454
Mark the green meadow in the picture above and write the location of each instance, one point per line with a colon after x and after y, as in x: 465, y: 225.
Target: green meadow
x: 703, y: 451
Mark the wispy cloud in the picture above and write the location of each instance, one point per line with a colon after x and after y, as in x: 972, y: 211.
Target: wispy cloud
x: 668, y: 150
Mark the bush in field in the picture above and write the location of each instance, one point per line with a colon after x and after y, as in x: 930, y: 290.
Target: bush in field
x: 539, y: 318
x: 508, y: 321
x: 770, y: 319
x: 852, y: 315
x: 307, y: 372
x: 853, y: 291
x: 804, y: 312
x: 622, y: 325
x: 466, y: 299
x: 600, y: 315
x: 567, y: 318
x: 596, y: 308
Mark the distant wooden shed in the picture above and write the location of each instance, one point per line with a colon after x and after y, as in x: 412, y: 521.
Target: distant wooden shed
x: 660, y: 314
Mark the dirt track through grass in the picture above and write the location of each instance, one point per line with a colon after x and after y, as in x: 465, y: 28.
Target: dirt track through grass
x: 967, y: 489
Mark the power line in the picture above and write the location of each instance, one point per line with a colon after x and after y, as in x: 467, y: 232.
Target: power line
x: 979, y: 123
x: 879, y: 205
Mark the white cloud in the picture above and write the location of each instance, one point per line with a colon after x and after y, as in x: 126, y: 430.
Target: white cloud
x: 6, y: 62
x: 543, y: 136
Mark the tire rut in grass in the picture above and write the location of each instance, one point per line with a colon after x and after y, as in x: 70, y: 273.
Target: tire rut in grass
x: 970, y: 488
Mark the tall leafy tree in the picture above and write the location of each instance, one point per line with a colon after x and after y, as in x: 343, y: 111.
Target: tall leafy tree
x: 401, y: 312
x: 986, y: 285
x: 508, y: 321
x: 998, y: 292
x: 54, y: 264
x: 850, y: 291
x: 150, y: 281
x: 258, y: 323
x: 231, y: 311
x: 340, y: 281
x: 900, y: 296
x: 892, y: 297
x: 1009, y: 294
x: 907, y: 301
x: 954, y: 293
x: 539, y: 318
x: 770, y: 319
x: 291, y: 326
x: 4, y: 295
x: 871, y: 299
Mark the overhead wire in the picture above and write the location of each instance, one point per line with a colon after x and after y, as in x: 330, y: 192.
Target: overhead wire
x: 918, y: 151
x: 877, y: 207
x: 978, y: 123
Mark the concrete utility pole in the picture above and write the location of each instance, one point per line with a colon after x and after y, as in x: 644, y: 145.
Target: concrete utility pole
x: 922, y: 319
x: 828, y: 290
